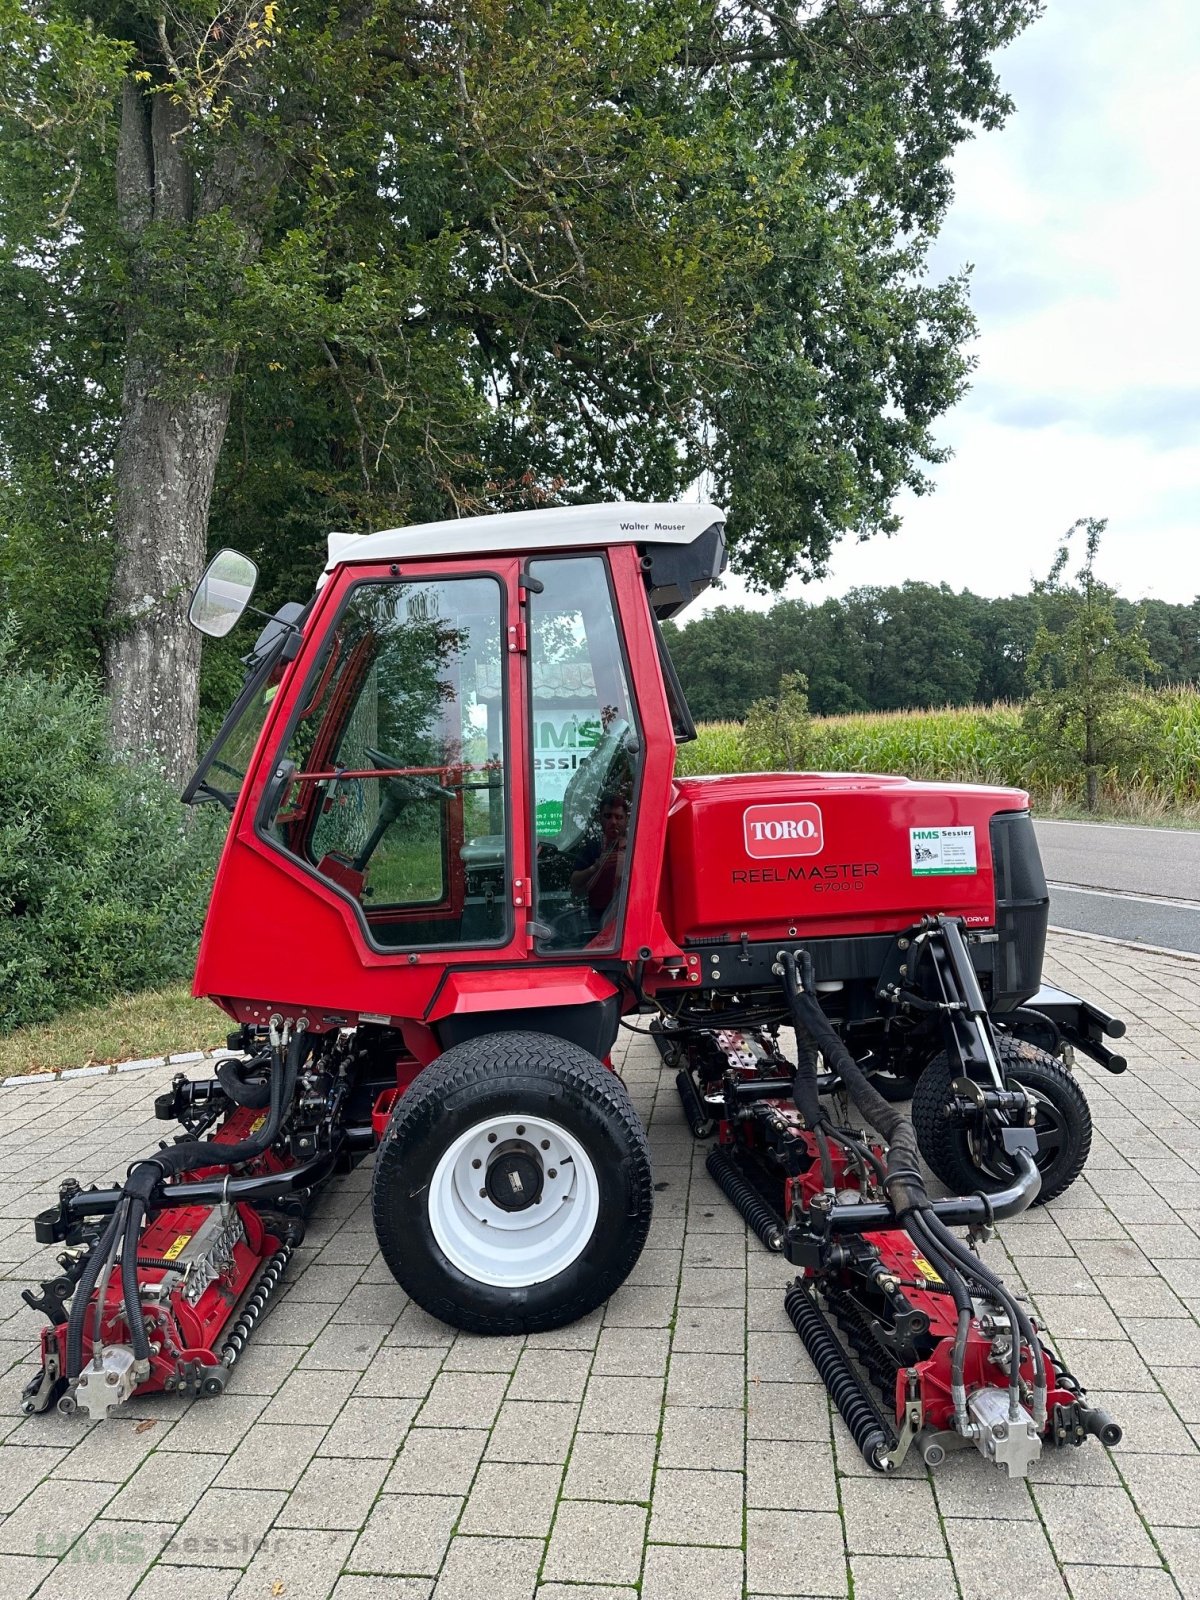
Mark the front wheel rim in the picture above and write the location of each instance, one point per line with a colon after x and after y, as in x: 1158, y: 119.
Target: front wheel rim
x: 514, y: 1248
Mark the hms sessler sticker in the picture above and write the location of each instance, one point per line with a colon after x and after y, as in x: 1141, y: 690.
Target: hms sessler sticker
x: 941, y: 852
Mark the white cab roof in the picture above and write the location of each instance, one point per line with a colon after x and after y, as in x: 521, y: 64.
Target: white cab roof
x: 618, y: 522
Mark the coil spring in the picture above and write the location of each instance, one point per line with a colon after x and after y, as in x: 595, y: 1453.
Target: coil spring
x: 867, y: 1427
x: 752, y: 1206
x: 698, y: 1119
x: 264, y: 1288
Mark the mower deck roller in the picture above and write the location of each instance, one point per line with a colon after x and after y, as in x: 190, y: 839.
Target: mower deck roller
x: 457, y: 857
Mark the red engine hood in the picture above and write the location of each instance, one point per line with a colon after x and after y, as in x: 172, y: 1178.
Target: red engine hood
x: 826, y: 854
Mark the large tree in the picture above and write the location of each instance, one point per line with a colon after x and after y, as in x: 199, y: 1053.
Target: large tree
x: 439, y: 256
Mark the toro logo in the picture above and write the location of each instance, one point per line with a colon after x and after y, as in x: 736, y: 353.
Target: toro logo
x: 784, y: 830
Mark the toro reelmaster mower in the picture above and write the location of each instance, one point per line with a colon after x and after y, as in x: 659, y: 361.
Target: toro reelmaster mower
x: 457, y: 857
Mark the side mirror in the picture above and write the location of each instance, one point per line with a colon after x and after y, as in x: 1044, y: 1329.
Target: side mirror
x: 223, y: 593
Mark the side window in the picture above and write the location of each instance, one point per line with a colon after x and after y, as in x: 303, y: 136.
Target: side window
x: 586, y: 754
x: 398, y: 790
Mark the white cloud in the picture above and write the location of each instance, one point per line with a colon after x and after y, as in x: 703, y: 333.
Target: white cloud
x: 1081, y: 221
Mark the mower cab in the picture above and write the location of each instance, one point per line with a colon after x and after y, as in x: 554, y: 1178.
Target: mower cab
x: 457, y: 856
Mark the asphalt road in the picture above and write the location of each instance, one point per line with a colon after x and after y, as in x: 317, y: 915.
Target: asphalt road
x: 1141, y: 884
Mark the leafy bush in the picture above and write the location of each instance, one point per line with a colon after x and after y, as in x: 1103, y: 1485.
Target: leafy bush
x: 777, y: 731
x: 103, y: 883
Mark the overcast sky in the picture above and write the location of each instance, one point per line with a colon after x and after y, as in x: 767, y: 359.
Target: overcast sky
x: 1080, y: 218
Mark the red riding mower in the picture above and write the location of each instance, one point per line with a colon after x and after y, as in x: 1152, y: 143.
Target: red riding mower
x: 457, y: 857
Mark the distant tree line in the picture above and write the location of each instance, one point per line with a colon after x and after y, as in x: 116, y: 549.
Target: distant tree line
x: 900, y: 648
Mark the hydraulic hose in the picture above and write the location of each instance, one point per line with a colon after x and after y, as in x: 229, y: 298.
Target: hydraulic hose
x: 134, y: 1316
x: 235, y: 1078
x: 101, y: 1253
x: 925, y: 1241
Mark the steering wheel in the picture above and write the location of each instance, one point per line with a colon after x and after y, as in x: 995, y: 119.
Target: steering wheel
x: 412, y: 786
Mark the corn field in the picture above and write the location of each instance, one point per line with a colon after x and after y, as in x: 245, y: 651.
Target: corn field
x: 1158, y: 778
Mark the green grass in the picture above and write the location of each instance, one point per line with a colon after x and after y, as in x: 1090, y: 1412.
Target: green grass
x: 158, y: 1022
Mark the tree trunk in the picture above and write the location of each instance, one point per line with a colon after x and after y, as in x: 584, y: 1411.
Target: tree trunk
x: 168, y: 445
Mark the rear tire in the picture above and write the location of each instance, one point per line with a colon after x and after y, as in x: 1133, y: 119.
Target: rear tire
x: 512, y: 1189
x: 1064, y: 1123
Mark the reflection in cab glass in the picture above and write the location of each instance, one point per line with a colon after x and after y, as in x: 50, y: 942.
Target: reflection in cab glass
x: 586, y: 754
x: 395, y: 786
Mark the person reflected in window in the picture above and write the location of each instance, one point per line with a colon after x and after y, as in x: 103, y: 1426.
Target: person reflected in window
x: 600, y: 864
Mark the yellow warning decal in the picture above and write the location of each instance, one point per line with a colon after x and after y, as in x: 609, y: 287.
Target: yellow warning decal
x: 926, y: 1271
x: 258, y: 1122
x: 176, y: 1248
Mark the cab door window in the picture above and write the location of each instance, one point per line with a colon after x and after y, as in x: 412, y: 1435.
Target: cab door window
x: 393, y: 786
x: 586, y: 754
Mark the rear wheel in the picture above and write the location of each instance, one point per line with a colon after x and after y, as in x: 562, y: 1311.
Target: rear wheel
x: 512, y: 1189
x: 1063, y: 1125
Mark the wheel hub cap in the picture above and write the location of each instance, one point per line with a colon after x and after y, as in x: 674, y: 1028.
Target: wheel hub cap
x: 515, y: 1177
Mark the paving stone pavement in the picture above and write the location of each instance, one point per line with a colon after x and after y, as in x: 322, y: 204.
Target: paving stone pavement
x: 674, y: 1443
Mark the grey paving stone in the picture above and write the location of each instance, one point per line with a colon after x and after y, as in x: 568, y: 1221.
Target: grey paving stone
x: 711, y: 1437
x: 294, y: 1322
x: 474, y: 1353
x: 787, y: 1411
x: 697, y: 1506
x: 595, y: 1542
x: 401, y: 1373
x: 463, y: 1400
x: 406, y: 1534
x: 216, y: 1428
x: 437, y: 1461
x: 640, y: 1308
x: 550, y: 1375
x: 714, y: 1287
x: 632, y: 1352
x: 982, y: 1549
x: 966, y: 1485
x: 890, y: 1516
x: 610, y: 1466
x: 22, y: 1468
x: 354, y: 1586
x: 112, y: 1451
x: 107, y: 1561
x: 333, y: 1494
x: 709, y: 1332
x: 226, y: 1528
x: 501, y: 1569
x: 795, y: 1553
x: 369, y: 1428
x: 512, y: 1501
x: 622, y: 1405
x: 1149, y: 1424
x: 903, y: 1578
x: 676, y: 1572
x: 584, y: 1591
x: 786, y: 1476
x: 165, y: 1582
x: 52, y: 1516
x: 20, y: 1575
x: 310, y: 1397
x: 346, y: 1347
x: 778, y: 1358
x: 1120, y: 1583
x: 416, y: 1327
x: 706, y: 1380
x: 532, y: 1430
x: 271, y: 1456
x: 1167, y: 1495
x: 298, y: 1564
x: 165, y: 1487
x: 1093, y: 1526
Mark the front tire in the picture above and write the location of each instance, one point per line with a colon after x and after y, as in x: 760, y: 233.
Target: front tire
x: 512, y: 1189
x: 1063, y: 1126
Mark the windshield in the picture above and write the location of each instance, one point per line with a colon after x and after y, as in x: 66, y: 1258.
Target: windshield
x: 222, y: 770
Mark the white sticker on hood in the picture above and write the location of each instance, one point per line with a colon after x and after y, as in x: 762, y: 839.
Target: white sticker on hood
x: 941, y: 852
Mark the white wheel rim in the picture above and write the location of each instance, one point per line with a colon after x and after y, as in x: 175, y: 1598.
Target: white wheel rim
x: 514, y: 1249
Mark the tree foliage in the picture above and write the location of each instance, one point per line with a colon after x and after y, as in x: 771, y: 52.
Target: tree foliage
x: 1083, y: 670
x: 901, y: 648
x: 445, y: 256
